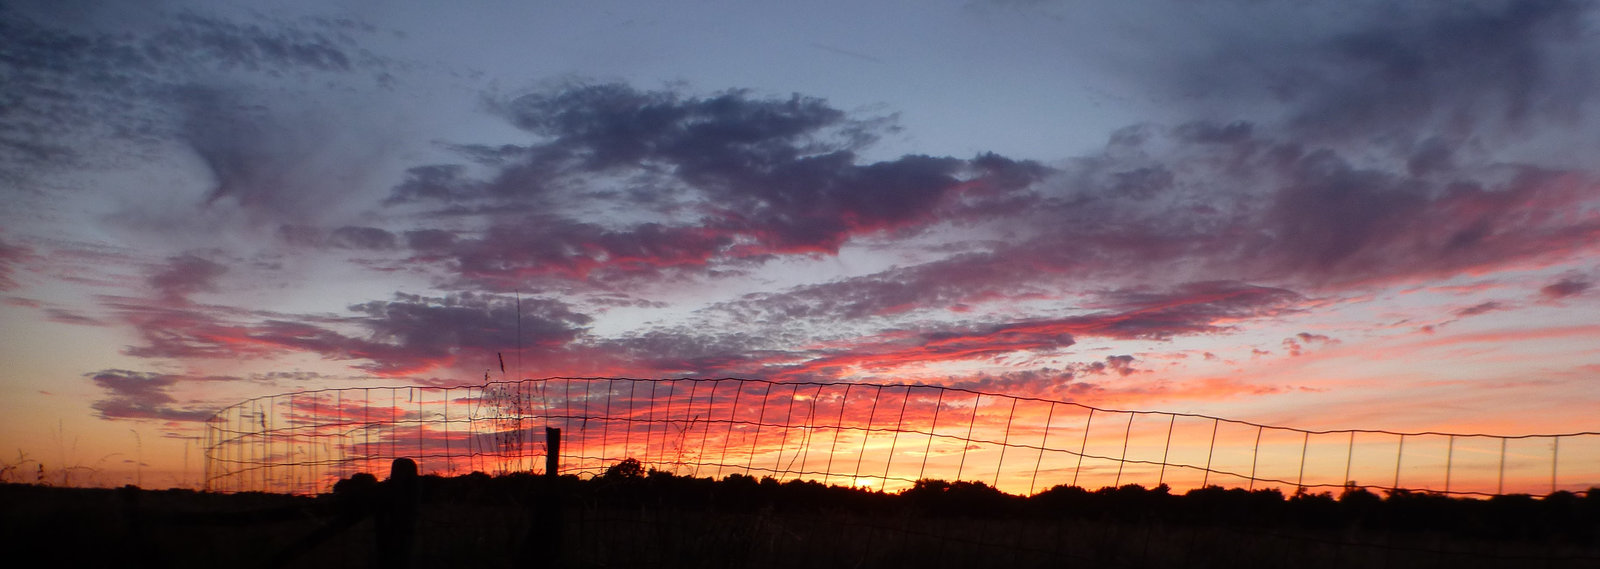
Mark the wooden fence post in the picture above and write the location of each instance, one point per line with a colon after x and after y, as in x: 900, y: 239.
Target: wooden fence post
x: 542, y: 545
x: 552, y: 457
x: 395, y: 515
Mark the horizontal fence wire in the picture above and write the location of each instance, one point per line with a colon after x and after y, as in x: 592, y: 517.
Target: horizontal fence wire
x: 873, y: 436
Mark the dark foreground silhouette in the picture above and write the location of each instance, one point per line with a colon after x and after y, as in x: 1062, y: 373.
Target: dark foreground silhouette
x: 631, y: 517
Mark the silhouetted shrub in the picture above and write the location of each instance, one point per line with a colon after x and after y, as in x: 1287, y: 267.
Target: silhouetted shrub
x: 628, y: 468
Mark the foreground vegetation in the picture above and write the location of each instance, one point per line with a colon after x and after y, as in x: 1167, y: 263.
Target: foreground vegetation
x: 631, y: 517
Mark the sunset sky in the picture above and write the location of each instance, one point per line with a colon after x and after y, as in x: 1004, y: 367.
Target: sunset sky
x: 1329, y: 215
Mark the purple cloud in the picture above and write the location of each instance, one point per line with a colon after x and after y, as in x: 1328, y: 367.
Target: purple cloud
x: 10, y: 256
x: 371, y: 238
x: 71, y: 82
x: 410, y: 334
x: 142, y: 395
x: 1480, y: 308
x: 1496, y: 68
x: 1567, y: 286
x: 185, y: 275
x: 1142, y: 314
x: 724, y: 179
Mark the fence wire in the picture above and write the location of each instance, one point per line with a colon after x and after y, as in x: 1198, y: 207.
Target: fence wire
x: 873, y: 436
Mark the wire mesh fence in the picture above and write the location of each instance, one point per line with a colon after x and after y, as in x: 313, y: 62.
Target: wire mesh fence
x: 874, y: 436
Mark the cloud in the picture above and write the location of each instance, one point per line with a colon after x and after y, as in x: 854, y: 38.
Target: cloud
x: 1297, y: 344
x: 572, y: 250
x: 1501, y: 63
x: 1252, y: 205
x: 418, y: 331
x: 65, y: 316
x: 1369, y: 146
x: 1120, y: 365
x: 372, y: 238
x: 148, y: 395
x: 1310, y: 338
x: 1567, y: 286
x: 142, y: 395
x: 1399, y: 153
x: 1480, y: 308
x: 1240, y: 204
x: 408, y: 335
x: 79, y: 76
x: 1371, y: 175
x: 186, y: 331
x: 695, y: 351
x: 270, y: 162
x: 694, y: 181
x: 1130, y: 314
x: 346, y: 237
x: 1066, y: 384
x: 185, y: 275
x: 1388, y: 69
x: 945, y: 283
x: 10, y: 256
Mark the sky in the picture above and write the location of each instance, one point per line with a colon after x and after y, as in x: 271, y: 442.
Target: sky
x: 1358, y: 214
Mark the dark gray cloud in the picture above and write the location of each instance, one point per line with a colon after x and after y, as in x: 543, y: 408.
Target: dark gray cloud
x: 436, y: 329
x: 1191, y: 308
x: 730, y: 177
x: 299, y: 161
x: 1378, y: 71
x: 407, y: 335
x: 75, y: 79
x: 1503, y: 64
x: 1274, y: 209
x: 178, y: 330
x: 430, y: 241
x: 1567, y: 286
x: 148, y: 395
x: 185, y: 275
x: 65, y: 316
x: 1207, y: 201
x: 1381, y: 169
x: 1121, y: 365
x: 1310, y: 338
x: 1480, y: 308
x: 695, y: 351
x: 940, y: 284
x: 10, y: 257
x: 372, y: 238
x: 346, y: 237
x: 573, y: 249
x: 1381, y: 162
x: 1128, y: 314
x: 438, y: 182
x: 1381, y: 165
x: 143, y: 395
x: 1065, y: 383
x: 1298, y: 344
x: 1244, y: 205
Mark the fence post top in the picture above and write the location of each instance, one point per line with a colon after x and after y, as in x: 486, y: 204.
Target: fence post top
x: 403, y: 469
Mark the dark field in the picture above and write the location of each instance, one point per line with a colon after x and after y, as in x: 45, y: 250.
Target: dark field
x: 633, y: 519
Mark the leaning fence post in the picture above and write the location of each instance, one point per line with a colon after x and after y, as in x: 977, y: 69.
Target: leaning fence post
x: 1555, y: 461
x: 1399, y: 454
x: 1449, y: 464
